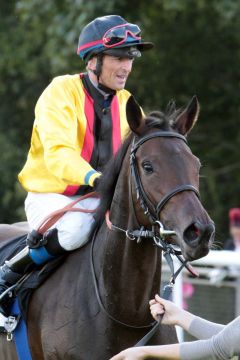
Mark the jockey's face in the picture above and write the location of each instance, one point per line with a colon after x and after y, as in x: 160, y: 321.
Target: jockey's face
x: 115, y: 71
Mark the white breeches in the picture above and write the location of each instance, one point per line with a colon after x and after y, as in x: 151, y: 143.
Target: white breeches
x: 73, y: 227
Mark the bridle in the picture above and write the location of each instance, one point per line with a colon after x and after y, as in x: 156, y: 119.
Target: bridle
x: 151, y: 210
x: 158, y: 233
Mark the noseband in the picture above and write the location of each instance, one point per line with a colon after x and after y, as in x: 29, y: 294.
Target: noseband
x: 151, y: 210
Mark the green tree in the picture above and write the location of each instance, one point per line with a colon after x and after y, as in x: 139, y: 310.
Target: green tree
x: 196, y: 52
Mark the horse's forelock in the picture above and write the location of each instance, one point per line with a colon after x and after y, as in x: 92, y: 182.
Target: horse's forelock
x: 162, y: 120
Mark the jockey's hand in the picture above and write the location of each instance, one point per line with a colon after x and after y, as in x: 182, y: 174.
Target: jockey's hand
x: 131, y: 354
x: 168, y: 309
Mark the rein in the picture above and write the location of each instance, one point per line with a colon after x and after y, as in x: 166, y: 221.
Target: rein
x: 152, y: 211
x: 168, y: 251
x: 102, y: 307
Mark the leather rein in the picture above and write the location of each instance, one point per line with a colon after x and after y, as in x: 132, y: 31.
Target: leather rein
x: 158, y: 233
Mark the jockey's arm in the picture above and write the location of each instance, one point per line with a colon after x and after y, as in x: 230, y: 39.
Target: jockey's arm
x: 58, y: 129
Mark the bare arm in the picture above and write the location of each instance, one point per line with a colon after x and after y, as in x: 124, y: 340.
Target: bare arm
x: 171, y: 352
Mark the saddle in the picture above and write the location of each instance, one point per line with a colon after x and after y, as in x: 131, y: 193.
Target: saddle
x: 9, y: 232
x: 13, y: 240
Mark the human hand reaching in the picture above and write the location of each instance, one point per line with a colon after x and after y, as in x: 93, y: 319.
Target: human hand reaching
x: 130, y: 354
x: 168, y: 309
x: 172, y: 314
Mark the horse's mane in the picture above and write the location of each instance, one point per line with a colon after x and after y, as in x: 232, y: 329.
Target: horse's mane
x: 106, y: 187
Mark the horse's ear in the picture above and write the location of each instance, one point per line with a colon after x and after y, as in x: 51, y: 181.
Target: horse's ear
x: 134, y: 115
x: 187, y: 119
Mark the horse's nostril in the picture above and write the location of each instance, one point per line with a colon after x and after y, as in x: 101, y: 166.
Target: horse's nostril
x: 191, y: 233
x: 197, y: 232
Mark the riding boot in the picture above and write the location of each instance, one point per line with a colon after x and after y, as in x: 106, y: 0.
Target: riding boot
x: 27, y: 259
x: 10, y: 273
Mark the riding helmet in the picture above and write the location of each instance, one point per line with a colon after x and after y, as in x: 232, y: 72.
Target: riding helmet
x: 124, y: 38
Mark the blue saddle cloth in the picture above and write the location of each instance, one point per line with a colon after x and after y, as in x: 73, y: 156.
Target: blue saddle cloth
x: 20, y: 335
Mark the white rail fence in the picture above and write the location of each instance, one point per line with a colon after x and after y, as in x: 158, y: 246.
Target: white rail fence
x: 215, y: 294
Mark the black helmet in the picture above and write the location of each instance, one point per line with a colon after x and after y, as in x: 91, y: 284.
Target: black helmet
x: 111, y: 35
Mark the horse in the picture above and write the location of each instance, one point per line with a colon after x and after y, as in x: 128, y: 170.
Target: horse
x: 96, y: 304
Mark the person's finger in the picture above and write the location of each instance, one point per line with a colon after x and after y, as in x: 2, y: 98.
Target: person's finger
x: 153, y: 301
x: 157, y: 311
x: 160, y: 300
x: 117, y: 357
x: 157, y: 306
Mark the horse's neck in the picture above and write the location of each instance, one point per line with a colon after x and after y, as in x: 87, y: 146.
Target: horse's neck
x: 129, y: 272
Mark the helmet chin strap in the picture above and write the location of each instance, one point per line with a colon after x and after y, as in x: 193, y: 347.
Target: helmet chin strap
x: 97, y: 73
x: 98, y: 69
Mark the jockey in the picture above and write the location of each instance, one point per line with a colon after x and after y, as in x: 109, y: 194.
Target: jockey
x: 80, y: 122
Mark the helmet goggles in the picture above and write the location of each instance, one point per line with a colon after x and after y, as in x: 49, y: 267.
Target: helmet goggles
x: 117, y: 35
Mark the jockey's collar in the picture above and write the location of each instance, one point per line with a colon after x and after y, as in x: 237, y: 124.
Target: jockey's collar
x: 104, y: 90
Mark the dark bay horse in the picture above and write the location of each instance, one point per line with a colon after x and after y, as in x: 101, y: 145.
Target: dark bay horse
x: 65, y: 320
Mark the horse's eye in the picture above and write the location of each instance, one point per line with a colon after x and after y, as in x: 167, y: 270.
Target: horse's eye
x: 147, y: 167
